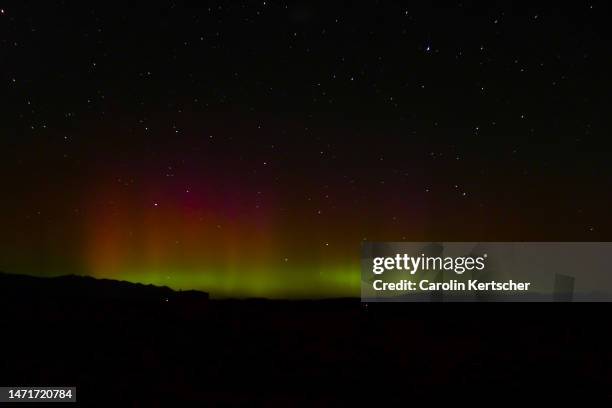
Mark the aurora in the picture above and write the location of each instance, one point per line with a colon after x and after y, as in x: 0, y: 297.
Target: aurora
x: 177, y: 152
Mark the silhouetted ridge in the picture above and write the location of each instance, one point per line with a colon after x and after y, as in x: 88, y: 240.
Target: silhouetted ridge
x: 73, y: 286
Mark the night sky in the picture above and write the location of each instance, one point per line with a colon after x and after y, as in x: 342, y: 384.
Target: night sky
x: 248, y: 148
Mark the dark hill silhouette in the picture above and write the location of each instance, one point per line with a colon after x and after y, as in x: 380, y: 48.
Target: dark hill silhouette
x: 87, y: 287
x: 124, y: 344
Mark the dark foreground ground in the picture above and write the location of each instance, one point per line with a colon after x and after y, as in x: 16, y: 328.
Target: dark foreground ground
x: 147, y: 346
